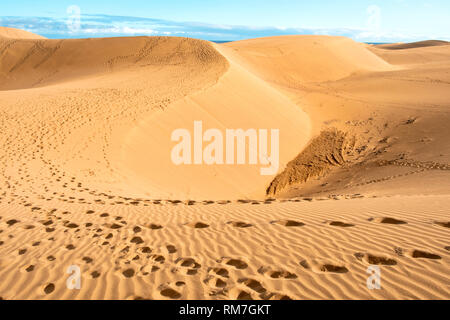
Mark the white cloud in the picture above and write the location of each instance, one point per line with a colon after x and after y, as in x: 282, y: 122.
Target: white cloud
x: 104, y: 25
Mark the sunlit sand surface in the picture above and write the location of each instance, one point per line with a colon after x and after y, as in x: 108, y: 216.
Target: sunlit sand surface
x: 86, y: 177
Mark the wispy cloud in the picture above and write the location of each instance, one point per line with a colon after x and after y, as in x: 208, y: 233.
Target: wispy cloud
x: 109, y: 26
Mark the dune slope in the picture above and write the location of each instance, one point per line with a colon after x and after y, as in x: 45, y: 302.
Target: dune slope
x: 393, y: 110
x: 293, y: 60
x: 129, y: 88
x: 12, y: 33
x: 37, y: 63
x: 238, y: 92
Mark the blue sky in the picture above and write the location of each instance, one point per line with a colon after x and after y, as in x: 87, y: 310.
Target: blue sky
x: 362, y: 20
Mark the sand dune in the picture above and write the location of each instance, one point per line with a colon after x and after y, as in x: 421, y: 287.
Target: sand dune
x: 396, y: 114
x: 37, y: 63
x: 418, y: 56
x: 294, y: 60
x: 237, y: 92
x: 420, y: 44
x: 12, y: 33
x: 86, y: 178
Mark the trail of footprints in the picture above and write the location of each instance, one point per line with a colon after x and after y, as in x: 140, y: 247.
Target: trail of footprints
x: 136, y: 259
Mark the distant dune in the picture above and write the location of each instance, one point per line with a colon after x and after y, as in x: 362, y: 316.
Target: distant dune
x: 11, y: 33
x: 293, y: 60
x: 420, y: 44
x: 87, y: 179
x: 421, y: 53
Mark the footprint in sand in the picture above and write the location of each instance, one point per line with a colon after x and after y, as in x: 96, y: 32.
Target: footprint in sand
x: 221, y: 272
x: 47, y: 222
x: 29, y: 268
x: 146, y: 250
x: 276, y: 273
x: 109, y: 236
x: 288, y: 223
x: 239, y: 224
x: 197, y: 225
x: 153, y: 226
x: 236, y: 263
x: 158, y: 258
x: 253, y: 285
x: 443, y: 224
x: 372, y: 259
x: 137, y: 240
x: 115, y: 226
x: 215, y: 282
x: 171, y: 249
x: 128, y: 273
x: 167, y: 290
x: 387, y: 220
x: 419, y: 254
x: 72, y: 226
x: 49, y: 288
x: 244, y: 201
x: 340, y: 224
x: 87, y: 260
x: 239, y: 294
x: 276, y: 297
x: 137, y: 229
x: 187, y: 266
x: 170, y: 293
x: 320, y: 267
x: 148, y: 269
x: 12, y: 222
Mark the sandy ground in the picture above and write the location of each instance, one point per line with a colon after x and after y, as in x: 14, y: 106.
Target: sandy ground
x: 86, y: 177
